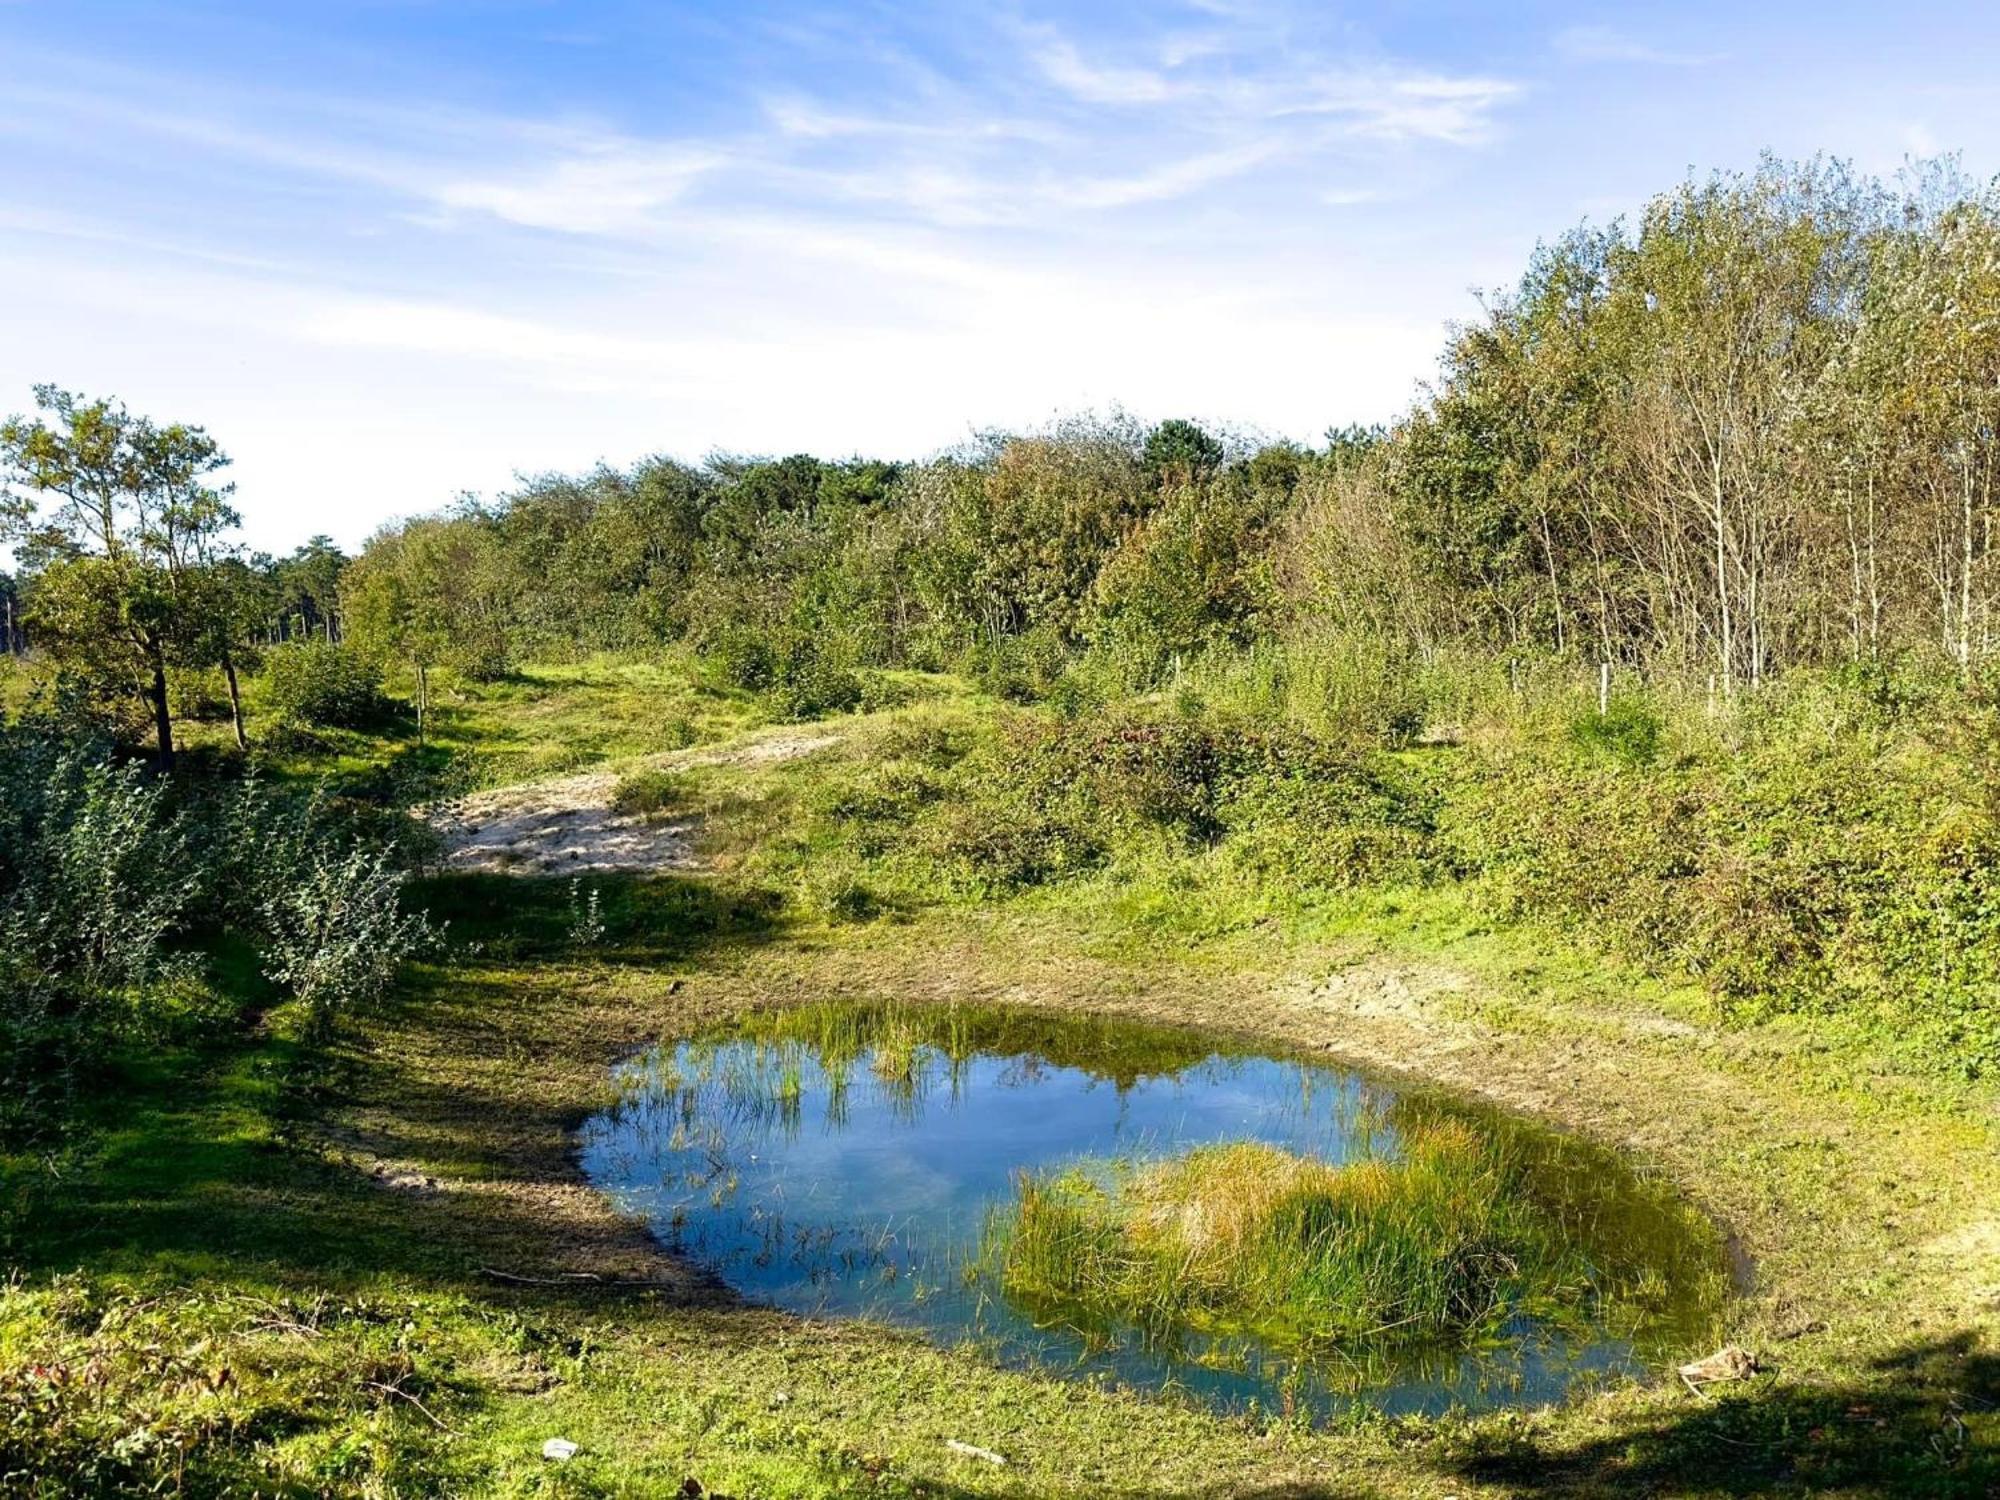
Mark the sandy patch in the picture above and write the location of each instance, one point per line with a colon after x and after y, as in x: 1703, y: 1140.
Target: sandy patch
x: 568, y: 826
x: 1378, y: 990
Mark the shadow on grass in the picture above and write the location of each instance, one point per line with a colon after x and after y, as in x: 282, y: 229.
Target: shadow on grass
x: 257, y: 1158
x: 1921, y: 1420
x: 650, y: 922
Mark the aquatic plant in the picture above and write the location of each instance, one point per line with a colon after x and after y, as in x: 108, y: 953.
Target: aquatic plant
x: 1438, y: 1243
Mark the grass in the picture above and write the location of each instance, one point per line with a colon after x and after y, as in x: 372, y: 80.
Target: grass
x: 1438, y: 1245
x: 259, y: 1277
x: 650, y: 793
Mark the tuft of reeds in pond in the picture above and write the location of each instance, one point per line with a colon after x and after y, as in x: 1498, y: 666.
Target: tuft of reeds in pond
x: 1433, y: 1245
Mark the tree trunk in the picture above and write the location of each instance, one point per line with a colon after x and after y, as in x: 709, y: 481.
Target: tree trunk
x: 1726, y: 640
x: 423, y: 701
x: 235, y: 701
x: 163, y: 718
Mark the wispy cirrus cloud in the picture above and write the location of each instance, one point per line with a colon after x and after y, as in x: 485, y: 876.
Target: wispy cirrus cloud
x: 1410, y: 107
x: 1177, y: 114
x: 770, y: 234
x: 604, y: 186
x: 1100, y: 83
x: 1264, y: 77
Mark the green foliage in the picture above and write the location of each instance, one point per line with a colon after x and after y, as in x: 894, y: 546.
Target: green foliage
x: 319, y: 684
x: 1181, y: 448
x: 93, y: 884
x: 1041, y: 798
x: 1628, y: 730
x: 792, y: 669
x: 119, y: 891
x: 336, y: 933
x: 123, y: 529
x: 1825, y: 866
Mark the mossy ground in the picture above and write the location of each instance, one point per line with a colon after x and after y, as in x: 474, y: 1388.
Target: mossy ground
x: 288, y: 1275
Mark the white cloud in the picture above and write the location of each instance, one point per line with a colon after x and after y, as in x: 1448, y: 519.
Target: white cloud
x: 1095, y: 83
x: 1411, y: 106
x: 608, y: 187
x: 1169, y: 180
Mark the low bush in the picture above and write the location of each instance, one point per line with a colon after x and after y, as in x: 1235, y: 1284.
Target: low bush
x: 116, y: 888
x: 336, y: 933
x: 94, y: 882
x: 1841, y: 871
x: 791, y: 668
x: 322, y: 685
x: 1627, y: 731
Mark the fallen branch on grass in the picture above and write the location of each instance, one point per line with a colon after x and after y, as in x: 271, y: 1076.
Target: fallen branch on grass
x: 403, y: 1395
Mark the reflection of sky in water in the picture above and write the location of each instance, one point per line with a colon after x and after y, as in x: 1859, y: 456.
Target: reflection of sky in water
x: 867, y: 1197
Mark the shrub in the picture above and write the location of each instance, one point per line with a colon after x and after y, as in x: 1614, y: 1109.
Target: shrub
x: 1628, y: 731
x: 317, y: 683
x: 1020, y: 668
x: 94, y: 881
x: 1836, y: 874
x: 791, y: 668
x: 809, y: 686
x: 483, y: 655
x: 746, y: 657
x: 1003, y: 844
x: 337, y: 933
x: 1302, y: 815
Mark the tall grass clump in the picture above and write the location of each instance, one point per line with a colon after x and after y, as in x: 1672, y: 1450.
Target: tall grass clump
x: 1436, y: 1245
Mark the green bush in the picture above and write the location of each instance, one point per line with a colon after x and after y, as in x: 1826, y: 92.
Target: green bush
x: 809, y: 686
x: 746, y: 657
x: 1841, y: 873
x: 790, y: 668
x: 1628, y: 731
x: 121, y: 893
x: 1020, y: 668
x: 322, y: 685
x: 337, y: 933
x: 94, y: 884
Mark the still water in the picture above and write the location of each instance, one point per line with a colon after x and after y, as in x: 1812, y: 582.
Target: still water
x: 850, y: 1162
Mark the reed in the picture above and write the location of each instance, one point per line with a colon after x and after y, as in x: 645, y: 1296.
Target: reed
x: 1435, y: 1244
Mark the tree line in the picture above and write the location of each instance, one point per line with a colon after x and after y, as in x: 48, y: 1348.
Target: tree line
x: 1751, y: 429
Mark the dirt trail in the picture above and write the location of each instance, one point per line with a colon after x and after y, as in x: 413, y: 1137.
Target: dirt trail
x: 569, y: 826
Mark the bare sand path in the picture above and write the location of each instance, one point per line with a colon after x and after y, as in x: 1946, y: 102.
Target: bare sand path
x: 569, y: 826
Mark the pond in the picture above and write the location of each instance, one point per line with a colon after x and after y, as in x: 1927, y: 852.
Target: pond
x: 1154, y: 1206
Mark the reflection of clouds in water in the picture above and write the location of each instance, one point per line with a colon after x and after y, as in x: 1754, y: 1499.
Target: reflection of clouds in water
x: 910, y: 1185
x: 832, y: 1178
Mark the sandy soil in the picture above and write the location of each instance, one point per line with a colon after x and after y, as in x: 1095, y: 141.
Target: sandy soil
x: 569, y: 827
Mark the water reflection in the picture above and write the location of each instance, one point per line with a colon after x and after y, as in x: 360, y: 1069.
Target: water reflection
x: 848, y: 1160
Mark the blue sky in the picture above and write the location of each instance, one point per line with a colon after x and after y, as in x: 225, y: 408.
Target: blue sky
x: 391, y: 251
